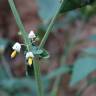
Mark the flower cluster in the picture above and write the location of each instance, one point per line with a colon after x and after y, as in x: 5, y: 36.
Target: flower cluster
x: 17, y: 47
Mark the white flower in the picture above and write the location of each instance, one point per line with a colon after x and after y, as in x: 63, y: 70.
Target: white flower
x: 31, y: 35
x: 29, y: 57
x: 29, y: 54
x: 17, y: 47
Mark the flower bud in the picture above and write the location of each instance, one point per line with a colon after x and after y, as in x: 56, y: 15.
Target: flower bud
x: 31, y: 35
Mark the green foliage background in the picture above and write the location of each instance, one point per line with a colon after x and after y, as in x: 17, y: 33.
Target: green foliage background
x: 84, y: 65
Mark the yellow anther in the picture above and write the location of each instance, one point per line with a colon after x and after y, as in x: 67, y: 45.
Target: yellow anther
x: 30, y: 61
x: 13, y: 54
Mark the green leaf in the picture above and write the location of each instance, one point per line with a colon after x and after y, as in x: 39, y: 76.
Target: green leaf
x: 90, y: 50
x: 44, y: 54
x: 82, y: 68
x: 74, y: 4
x: 47, y: 8
x: 89, y: 10
x: 36, y: 50
x: 57, y: 72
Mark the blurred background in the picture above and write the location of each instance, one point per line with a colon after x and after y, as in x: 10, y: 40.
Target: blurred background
x: 77, y: 26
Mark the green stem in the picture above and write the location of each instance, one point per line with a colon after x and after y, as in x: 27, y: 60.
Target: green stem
x: 28, y: 45
x: 20, y: 25
x: 50, y: 26
x: 38, y: 79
